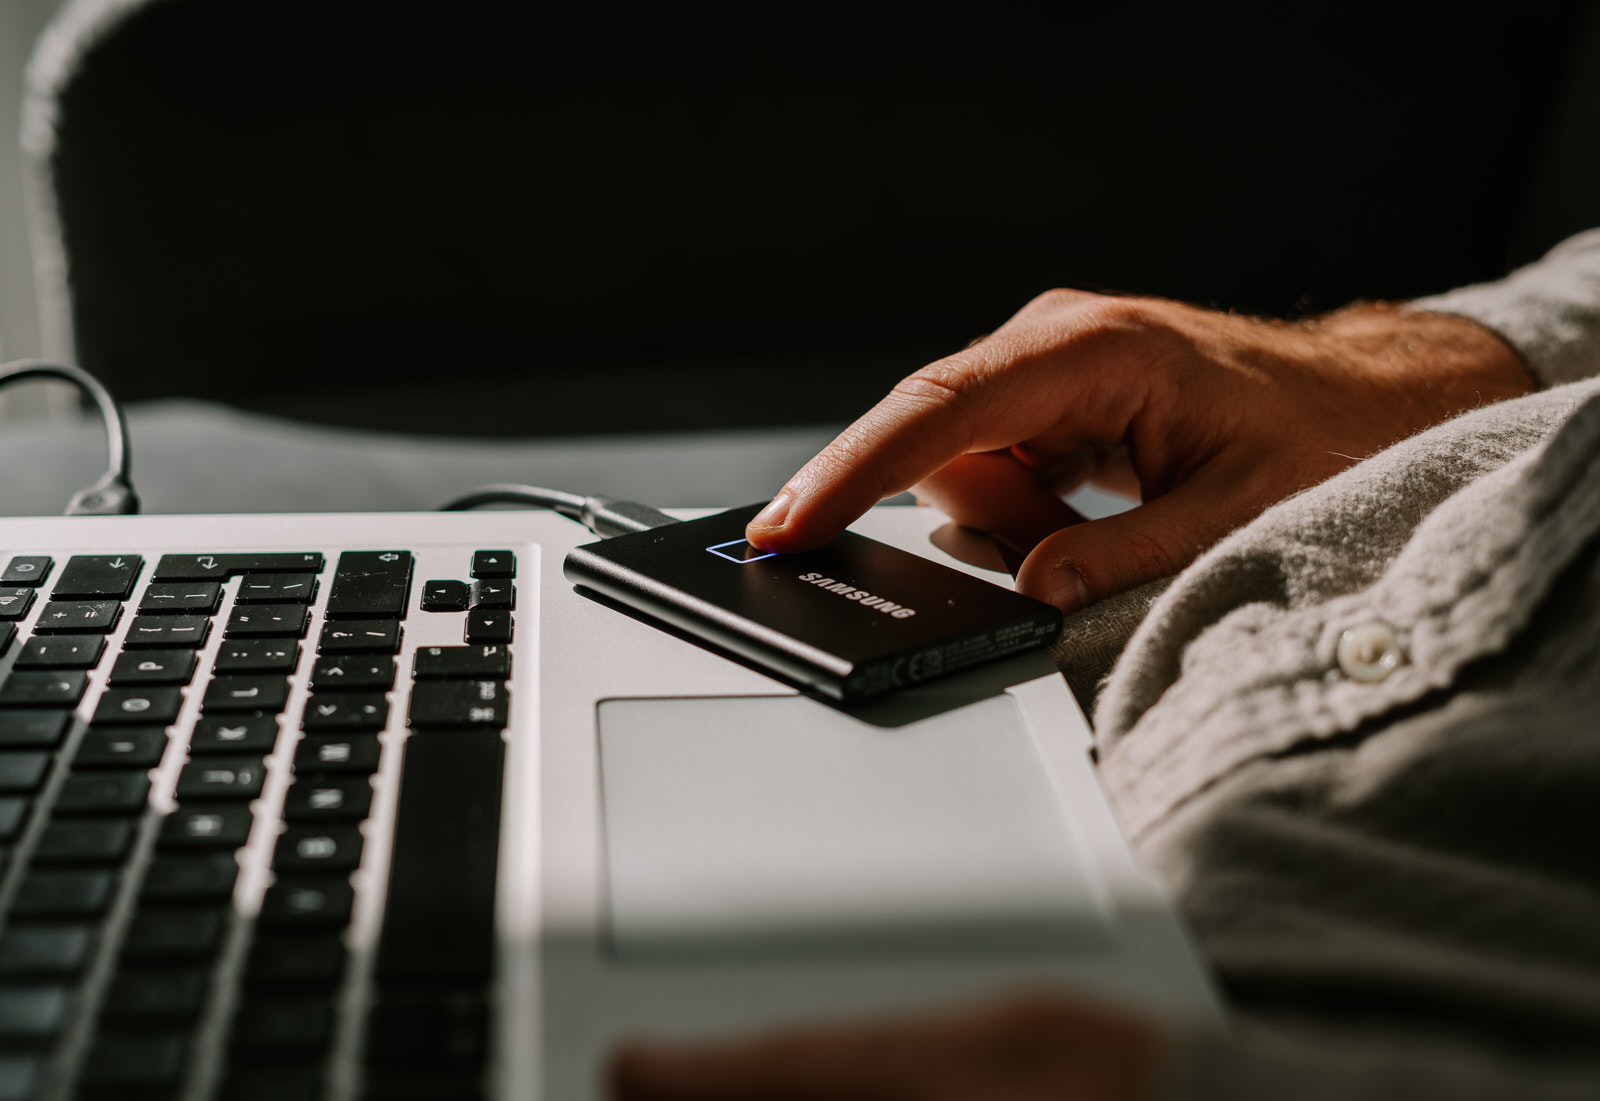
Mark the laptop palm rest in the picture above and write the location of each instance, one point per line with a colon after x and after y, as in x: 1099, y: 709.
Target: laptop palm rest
x: 771, y: 827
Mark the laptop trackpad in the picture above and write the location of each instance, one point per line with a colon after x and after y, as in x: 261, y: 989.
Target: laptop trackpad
x: 776, y: 826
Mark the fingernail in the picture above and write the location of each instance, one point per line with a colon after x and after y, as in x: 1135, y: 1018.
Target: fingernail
x: 1068, y: 590
x: 776, y: 512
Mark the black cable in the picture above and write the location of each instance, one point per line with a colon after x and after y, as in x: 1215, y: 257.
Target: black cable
x: 113, y: 494
x: 602, y: 515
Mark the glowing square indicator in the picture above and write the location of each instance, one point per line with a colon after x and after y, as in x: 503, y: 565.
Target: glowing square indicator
x: 741, y: 552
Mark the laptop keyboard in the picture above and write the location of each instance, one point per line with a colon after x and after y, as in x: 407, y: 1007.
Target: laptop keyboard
x: 248, y: 831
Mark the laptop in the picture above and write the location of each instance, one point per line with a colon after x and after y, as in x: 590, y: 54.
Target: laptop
x: 378, y: 806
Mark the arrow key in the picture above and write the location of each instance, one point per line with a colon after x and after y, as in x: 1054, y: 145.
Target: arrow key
x: 493, y: 563
x: 489, y: 625
x: 442, y: 596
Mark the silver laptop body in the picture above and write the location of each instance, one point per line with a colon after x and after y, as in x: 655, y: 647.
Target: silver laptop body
x: 683, y: 847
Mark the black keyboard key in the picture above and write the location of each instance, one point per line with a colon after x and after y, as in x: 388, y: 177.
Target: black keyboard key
x: 489, y: 625
x: 308, y: 849
x: 190, y: 878
x: 78, y: 617
x: 170, y: 994
x: 432, y: 1029
x: 143, y: 705
x: 258, y: 655
x: 33, y: 1014
x: 33, y: 951
x: 280, y: 1083
x: 15, y: 602
x: 88, y: 841
x: 374, y: 636
x: 175, y: 934
x: 336, y: 798
x: 14, y: 815
x: 96, y: 575
x: 253, y: 733
x: 130, y: 1065
x: 21, y: 1076
x: 224, y: 826
x: 8, y: 632
x: 458, y: 703
x: 439, y: 919
x: 62, y: 652
x: 106, y: 793
x: 22, y: 772
x: 268, y: 621
x: 445, y: 596
x: 246, y: 692
x: 26, y: 569
x: 352, y: 672
x: 226, y: 778
x: 167, y: 632
x: 319, y: 755
x: 180, y: 598
x: 153, y: 667
x: 281, y: 1027
x: 493, y: 563
x: 463, y: 661
x: 370, y: 585
x: 125, y: 747
x: 320, y: 902
x: 33, y: 729
x: 282, y: 588
x: 494, y: 594
x: 53, y: 894
x: 277, y: 960
x: 346, y: 711
x: 44, y: 688
x: 216, y: 567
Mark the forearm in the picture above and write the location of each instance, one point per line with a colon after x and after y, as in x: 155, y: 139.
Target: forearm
x: 1549, y: 311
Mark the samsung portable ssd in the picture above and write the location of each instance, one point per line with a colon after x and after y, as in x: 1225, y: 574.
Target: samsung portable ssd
x: 849, y: 621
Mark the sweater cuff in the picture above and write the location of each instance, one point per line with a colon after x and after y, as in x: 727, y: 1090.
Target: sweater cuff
x: 1549, y: 311
x: 1270, y: 1067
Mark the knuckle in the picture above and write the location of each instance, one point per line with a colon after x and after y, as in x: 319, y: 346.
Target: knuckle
x: 1057, y: 299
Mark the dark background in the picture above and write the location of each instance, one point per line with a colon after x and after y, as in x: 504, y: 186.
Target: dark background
x: 488, y: 222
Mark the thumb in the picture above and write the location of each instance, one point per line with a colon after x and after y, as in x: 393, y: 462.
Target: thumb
x: 1080, y: 565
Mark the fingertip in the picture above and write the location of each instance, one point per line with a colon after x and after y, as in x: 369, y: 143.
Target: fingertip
x: 789, y: 524
x: 1058, y: 583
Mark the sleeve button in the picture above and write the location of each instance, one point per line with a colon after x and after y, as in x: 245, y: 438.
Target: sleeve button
x: 1370, y: 652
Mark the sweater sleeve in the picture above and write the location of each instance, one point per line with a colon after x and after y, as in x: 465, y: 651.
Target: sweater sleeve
x: 1269, y: 1068
x: 1548, y: 311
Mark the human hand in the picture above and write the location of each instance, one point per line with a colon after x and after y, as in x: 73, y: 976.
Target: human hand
x: 1207, y: 418
x: 1037, y: 1048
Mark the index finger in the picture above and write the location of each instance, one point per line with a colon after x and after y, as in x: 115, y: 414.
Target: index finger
x: 975, y: 400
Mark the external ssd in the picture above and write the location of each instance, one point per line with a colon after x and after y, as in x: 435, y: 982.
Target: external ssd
x: 849, y: 621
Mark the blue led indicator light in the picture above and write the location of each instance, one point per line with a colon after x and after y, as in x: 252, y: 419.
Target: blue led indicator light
x: 743, y: 555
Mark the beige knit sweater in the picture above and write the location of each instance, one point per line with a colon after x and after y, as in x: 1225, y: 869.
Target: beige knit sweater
x: 1360, y: 739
